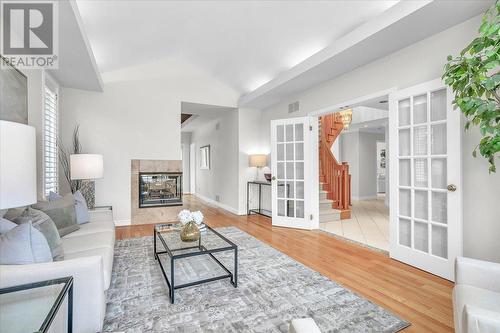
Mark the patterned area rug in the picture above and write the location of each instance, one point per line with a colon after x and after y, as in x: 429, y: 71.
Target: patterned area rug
x: 272, y: 290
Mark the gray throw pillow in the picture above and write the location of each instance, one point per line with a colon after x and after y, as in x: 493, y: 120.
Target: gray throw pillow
x: 81, y: 209
x: 14, y: 213
x: 6, y: 225
x: 62, y: 212
x: 43, y: 223
x: 23, y: 245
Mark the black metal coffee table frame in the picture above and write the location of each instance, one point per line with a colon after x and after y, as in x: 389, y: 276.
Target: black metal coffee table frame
x: 202, y: 251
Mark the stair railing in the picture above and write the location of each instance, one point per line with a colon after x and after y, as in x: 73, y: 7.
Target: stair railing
x: 336, y: 175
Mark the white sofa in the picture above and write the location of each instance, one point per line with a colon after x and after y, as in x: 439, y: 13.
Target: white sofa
x: 88, y: 258
x: 476, y: 296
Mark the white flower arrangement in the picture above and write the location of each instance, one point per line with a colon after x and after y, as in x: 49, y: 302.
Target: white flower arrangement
x: 186, y: 216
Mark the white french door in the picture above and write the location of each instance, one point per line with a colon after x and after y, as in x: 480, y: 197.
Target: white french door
x: 425, y: 178
x: 294, y: 195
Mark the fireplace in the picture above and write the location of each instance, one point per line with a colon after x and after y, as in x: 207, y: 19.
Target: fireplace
x: 160, y: 189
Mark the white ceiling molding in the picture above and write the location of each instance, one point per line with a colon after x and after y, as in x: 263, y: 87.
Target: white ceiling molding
x: 77, y: 65
x: 401, y: 25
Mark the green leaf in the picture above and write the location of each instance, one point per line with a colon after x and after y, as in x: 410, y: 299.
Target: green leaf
x: 476, y: 88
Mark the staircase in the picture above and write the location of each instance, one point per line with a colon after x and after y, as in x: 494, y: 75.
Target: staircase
x: 335, y: 180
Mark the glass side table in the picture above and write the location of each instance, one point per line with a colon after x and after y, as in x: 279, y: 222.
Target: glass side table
x: 32, y: 307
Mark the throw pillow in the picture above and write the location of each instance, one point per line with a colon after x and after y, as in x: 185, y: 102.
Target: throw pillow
x: 46, y: 226
x: 23, y: 245
x: 53, y: 196
x: 6, y: 225
x: 62, y: 212
x: 14, y: 213
x: 81, y: 209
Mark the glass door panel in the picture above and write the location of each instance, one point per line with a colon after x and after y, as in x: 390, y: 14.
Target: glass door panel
x: 290, y: 187
x: 421, y: 216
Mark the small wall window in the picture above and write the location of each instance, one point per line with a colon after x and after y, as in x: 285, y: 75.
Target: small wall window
x: 50, y: 134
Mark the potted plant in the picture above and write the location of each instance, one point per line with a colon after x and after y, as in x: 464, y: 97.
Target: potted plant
x: 474, y: 77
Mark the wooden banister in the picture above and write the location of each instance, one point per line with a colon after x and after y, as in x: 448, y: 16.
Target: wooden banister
x: 335, y: 175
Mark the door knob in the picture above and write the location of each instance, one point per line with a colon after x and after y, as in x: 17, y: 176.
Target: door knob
x: 273, y: 178
x: 451, y: 187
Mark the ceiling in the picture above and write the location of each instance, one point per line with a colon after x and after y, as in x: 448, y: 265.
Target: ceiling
x: 372, y: 126
x: 242, y: 43
x: 201, y: 114
x: 77, y: 67
x: 401, y: 25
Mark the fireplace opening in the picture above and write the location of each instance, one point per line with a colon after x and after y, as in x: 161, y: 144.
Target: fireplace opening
x: 160, y: 189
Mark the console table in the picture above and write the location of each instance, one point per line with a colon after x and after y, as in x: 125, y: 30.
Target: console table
x: 260, y: 211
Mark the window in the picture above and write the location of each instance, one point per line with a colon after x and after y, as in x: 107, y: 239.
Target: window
x: 50, y: 133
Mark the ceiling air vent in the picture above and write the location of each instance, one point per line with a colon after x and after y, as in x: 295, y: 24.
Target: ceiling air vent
x: 293, y: 107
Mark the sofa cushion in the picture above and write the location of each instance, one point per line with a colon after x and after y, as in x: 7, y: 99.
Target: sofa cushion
x: 13, y: 213
x: 43, y: 223
x: 473, y: 296
x: 62, y: 212
x: 107, y: 259
x: 93, y: 227
x: 24, y: 245
x: 81, y: 209
x: 88, y: 242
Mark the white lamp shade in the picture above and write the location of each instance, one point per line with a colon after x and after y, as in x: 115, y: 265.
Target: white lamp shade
x: 258, y: 160
x: 86, y: 166
x: 17, y: 165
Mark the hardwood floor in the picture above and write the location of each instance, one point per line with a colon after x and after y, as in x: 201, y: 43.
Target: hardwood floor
x: 419, y: 297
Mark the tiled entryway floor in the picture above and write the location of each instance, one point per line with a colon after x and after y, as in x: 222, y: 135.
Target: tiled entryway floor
x: 369, y: 224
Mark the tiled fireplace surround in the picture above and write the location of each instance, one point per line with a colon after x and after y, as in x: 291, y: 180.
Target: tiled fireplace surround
x: 152, y: 214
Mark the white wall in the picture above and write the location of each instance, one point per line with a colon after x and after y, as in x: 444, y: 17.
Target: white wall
x: 136, y: 117
x: 192, y: 168
x: 420, y: 62
x: 251, y: 142
x: 349, y: 146
x: 186, y: 170
x: 220, y: 182
x: 359, y: 149
x: 368, y: 164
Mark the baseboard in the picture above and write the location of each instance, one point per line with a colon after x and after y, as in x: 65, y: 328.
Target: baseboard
x: 119, y: 223
x: 216, y: 203
x: 368, y: 197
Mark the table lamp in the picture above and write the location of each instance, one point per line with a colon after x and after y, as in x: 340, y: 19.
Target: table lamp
x: 87, y: 168
x: 258, y: 161
x: 17, y: 165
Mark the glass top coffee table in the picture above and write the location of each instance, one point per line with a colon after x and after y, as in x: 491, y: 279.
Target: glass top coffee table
x: 186, y: 264
x: 32, y: 307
